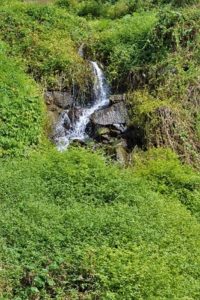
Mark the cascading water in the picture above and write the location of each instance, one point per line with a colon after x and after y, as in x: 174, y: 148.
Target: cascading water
x: 77, y: 131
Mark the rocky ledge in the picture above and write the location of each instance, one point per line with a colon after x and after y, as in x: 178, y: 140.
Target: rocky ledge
x: 107, y: 126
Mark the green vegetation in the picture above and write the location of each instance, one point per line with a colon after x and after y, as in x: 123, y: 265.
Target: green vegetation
x: 21, y: 106
x: 113, y: 9
x: 154, y: 56
x: 46, y: 39
x: 75, y: 225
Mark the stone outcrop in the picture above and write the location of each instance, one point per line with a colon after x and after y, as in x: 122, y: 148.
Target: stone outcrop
x: 107, y: 126
x: 115, y: 114
x: 58, y: 98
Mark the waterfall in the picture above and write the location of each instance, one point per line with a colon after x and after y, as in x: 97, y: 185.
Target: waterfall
x: 77, y: 130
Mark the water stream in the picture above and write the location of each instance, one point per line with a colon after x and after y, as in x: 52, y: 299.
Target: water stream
x: 77, y: 130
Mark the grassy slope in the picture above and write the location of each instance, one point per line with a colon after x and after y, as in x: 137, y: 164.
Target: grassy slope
x: 73, y: 226
x: 46, y: 38
x: 21, y: 106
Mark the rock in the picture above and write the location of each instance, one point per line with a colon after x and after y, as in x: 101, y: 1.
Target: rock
x: 117, y: 98
x: 120, y: 127
x: 62, y: 126
x: 61, y: 99
x: 121, y: 153
x: 78, y: 142
x: 81, y: 50
x: 115, y: 114
x: 115, y: 133
x: 65, y: 120
x: 74, y: 113
x: 48, y: 97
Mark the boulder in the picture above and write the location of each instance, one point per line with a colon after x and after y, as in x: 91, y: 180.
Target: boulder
x: 115, y: 114
x: 61, y: 99
x: 120, y: 127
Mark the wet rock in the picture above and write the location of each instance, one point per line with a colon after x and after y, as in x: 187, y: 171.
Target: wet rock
x: 117, y: 98
x: 62, y: 125
x: 65, y: 120
x: 74, y: 113
x: 120, y: 127
x: 115, y: 114
x: 61, y: 99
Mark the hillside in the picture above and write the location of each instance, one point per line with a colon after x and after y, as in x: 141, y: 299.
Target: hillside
x: 116, y: 214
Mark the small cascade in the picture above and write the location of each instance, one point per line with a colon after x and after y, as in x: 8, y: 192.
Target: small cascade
x: 77, y: 130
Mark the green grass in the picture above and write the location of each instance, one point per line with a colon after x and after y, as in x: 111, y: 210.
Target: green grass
x: 73, y: 226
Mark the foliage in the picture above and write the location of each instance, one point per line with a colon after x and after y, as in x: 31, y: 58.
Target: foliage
x: 119, y: 46
x: 169, y: 177
x: 73, y: 226
x: 165, y: 122
x: 134, y: 45
x: 46, y: 39
x: 21, y: 106
x: 117, y: 9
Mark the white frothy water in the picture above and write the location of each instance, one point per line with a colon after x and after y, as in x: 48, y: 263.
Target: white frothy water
x: 77, y: 132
